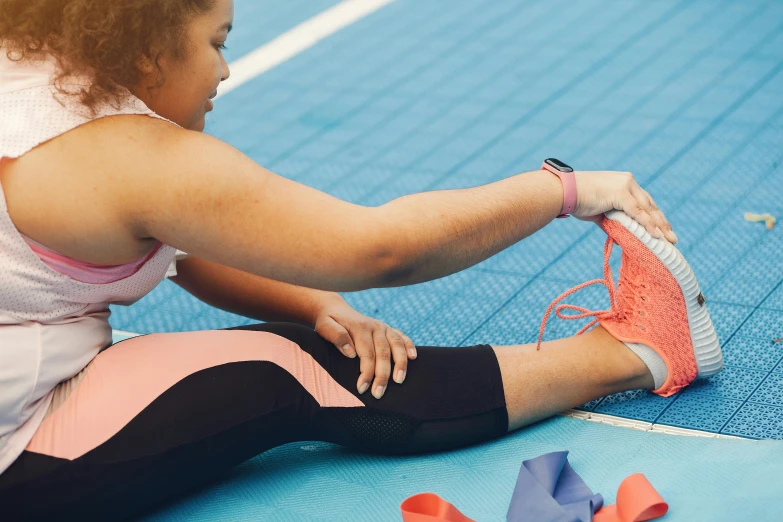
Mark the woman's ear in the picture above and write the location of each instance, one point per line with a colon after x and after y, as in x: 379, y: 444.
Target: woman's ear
x: 145, y: 65
x: 149, y: 70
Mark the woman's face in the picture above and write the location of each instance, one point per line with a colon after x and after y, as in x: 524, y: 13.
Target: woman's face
x: 191, y: 80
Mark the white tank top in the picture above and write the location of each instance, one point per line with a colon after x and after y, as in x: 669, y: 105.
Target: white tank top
x: 51, y: 326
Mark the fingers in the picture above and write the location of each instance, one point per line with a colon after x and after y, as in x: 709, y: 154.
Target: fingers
x: 412, y: 353
x: 377, y: 347
x: 382, y: 364
x: 336, y: 334
x: 660, y: 219
x: 375, y: 354
x: 638, y: 204
x: 641, y: 206
x: 365, y: 347
x: 634, y: 208
x: 399, y: 353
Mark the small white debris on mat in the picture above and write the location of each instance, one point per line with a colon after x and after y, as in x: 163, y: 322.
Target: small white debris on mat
x: 769, y: 219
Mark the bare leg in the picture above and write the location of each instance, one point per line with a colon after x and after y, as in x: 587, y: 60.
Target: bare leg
x: 566, y: 373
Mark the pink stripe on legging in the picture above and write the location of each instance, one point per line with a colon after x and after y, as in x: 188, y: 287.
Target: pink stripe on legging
x: 123, y: 380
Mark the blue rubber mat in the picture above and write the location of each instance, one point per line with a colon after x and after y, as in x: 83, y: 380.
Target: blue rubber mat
x: 701, y: 479
x: 685, y: 94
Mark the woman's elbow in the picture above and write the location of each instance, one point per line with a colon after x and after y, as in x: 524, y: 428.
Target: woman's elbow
x: 392, y: 266
x: 388, y: 250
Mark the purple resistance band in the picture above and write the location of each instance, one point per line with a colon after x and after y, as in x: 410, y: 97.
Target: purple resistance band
x: 549, y: 489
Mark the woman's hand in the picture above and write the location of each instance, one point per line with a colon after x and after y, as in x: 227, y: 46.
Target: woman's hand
x: 375, y: 342
x: 599, y: 192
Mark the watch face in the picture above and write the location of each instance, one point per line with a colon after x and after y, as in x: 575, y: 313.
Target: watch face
x: 559, y: 165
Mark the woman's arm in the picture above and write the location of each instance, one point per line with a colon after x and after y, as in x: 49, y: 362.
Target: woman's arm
x: 202, y: 196
x: 376, y: 344
x: 251, y: 295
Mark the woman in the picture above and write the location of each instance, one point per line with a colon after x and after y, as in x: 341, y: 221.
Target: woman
x: 105, y: 176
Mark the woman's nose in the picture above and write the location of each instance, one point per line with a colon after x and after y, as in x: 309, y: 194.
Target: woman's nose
x: 226, y: 71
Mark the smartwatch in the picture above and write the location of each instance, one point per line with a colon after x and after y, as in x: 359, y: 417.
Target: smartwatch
x: 566, y: 175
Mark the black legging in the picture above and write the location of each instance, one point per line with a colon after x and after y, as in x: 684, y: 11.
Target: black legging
x: 223, y: 415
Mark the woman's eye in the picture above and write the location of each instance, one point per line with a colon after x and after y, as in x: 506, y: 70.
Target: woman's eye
x: 221, y: 47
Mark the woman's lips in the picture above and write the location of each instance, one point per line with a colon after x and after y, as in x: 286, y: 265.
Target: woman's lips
x: 209, y: 105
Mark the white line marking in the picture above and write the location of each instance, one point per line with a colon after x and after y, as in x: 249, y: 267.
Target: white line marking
x: 622, y: 422
x: 296, y: 40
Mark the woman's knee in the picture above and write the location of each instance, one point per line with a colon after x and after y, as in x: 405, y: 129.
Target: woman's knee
x: 343, y: 369
x: 304, y: 336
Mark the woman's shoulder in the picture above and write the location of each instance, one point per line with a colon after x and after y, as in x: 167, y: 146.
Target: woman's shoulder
x: 75, y: 185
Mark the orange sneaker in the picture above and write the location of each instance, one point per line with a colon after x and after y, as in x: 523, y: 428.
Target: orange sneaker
x: 657, y: 304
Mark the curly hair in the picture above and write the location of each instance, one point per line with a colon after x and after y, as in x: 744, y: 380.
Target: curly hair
x: 100, y: 39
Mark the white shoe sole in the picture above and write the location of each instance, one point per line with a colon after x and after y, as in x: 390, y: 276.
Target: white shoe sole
x: 706, y: 348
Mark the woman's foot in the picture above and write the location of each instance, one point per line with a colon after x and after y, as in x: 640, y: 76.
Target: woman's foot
x: 657, y: 309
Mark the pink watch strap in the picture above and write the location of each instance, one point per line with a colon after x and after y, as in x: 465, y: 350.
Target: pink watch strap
x: 569, y: 189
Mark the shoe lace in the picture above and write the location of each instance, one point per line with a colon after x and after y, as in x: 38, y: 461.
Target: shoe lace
x: 615, y: 308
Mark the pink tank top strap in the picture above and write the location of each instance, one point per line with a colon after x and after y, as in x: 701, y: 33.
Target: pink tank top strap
x: 87, y: 272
